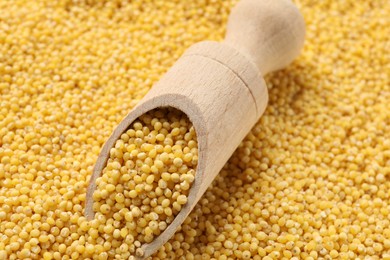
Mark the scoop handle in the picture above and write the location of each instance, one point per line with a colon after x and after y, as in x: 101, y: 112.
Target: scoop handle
x: 268, y: 32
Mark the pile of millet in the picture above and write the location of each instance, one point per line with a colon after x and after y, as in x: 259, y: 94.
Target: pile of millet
x: 146, y: 180
x: 310, y: 181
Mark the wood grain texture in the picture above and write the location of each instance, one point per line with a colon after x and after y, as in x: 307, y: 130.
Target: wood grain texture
x: 220, y: 88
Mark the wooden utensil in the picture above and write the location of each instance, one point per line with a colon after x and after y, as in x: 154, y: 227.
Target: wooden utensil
x: 220, y: 87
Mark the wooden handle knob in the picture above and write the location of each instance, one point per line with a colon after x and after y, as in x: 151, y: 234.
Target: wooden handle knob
x: 269, y: 32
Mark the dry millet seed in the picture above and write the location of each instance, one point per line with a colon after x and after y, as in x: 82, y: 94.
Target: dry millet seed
x: 146, y: 181
x: 310, y: 180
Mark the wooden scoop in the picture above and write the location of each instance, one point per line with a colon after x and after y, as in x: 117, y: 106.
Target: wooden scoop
x: 220, y: 87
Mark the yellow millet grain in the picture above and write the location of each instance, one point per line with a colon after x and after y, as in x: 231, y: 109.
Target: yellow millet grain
x: 311, y: 179
x: 138, y: 193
